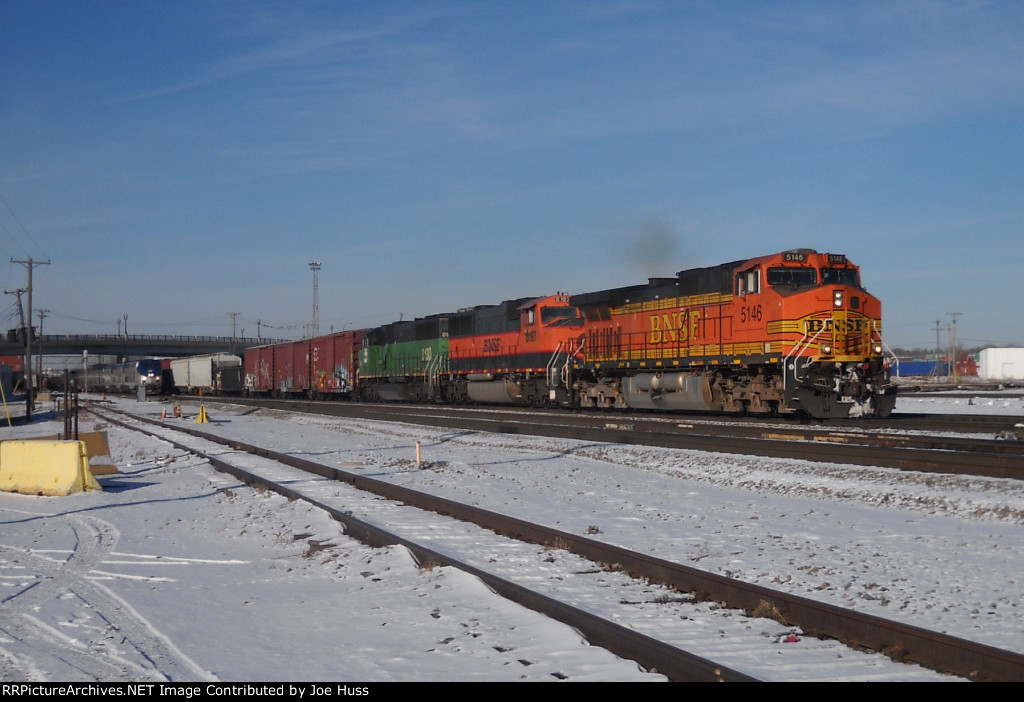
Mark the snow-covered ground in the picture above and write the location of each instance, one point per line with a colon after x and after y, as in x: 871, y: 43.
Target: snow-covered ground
x: 1007, y: 402
x: 175, y: 571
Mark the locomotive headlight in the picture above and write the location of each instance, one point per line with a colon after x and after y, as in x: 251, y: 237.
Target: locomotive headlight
x: 837, y: 298
x: 826, y: 349
x: 877, y: 349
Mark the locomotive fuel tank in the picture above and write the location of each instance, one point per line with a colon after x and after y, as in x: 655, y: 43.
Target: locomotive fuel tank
x: 669, y: 391
x: 481, y: 388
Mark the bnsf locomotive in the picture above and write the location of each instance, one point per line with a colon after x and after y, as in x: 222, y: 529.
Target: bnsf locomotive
x: 793, y: 332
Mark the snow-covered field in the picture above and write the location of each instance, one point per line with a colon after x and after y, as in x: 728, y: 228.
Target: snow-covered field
x: 175, y: 571
x: 1008, y: 402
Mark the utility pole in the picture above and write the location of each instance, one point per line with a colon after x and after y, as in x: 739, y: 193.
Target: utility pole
x: 30, y: 265
x: 21, y: 317
x: 42, y: 315
x: 953, y: 350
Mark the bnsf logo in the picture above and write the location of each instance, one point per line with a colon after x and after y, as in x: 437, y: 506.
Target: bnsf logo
x: 674, y: 326
x: 814, y: 326
x: 492, y: 345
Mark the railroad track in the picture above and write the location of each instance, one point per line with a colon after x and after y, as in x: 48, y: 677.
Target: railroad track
x: 902, y: 642
x: 848, y: 444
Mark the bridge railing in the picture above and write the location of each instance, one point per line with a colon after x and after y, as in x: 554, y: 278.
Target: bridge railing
x: 71, y: 338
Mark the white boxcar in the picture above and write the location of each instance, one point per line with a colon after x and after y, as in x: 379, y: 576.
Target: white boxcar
x: 211, y: 374
x: 1001, y: 364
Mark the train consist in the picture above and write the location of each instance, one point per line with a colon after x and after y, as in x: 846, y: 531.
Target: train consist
x: 790, y: 333
x: 793, y: 332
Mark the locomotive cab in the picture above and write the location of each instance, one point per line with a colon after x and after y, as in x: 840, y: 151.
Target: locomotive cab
x: 827, y: 328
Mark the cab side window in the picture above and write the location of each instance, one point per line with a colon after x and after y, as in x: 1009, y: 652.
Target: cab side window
x: 748, y: 282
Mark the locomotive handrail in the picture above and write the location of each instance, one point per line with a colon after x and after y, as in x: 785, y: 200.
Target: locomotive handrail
x: 567, y: 367
x: 433, y: 369
x: 577, y: 354
x: 895, y: 360
x: 802, y: 347
x: 549, y: 369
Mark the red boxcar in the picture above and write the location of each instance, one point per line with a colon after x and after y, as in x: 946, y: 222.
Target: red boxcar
x: 333, y: 363
x: 259, y: 370
x: 291, y: 368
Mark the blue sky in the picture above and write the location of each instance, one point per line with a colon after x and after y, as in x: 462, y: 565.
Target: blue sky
x: 179, y: 161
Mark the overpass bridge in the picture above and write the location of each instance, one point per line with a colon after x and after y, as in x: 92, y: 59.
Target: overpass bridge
x: 131, y: 346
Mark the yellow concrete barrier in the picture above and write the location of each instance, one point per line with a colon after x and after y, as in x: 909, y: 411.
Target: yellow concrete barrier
x: 98, y: 446
x: 45, y: 467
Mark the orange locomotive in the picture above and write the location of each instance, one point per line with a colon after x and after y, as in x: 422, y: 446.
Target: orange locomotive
x: 785, y: 333
x: 516, y: 352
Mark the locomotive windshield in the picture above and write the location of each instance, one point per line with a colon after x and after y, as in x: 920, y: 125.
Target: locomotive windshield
x: 150, y: 368
x: 840, y: 276
x: 794, y: 277
x: 560, y: 316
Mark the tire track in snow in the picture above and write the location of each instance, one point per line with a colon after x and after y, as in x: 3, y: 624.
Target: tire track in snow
x: 84, y: 629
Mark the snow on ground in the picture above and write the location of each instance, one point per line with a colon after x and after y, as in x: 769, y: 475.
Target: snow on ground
x: 212, y: 581
x: 1007, y: 402
x: 177, y: 571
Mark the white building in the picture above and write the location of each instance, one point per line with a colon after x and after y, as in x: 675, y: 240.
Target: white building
x: 1001, y: 364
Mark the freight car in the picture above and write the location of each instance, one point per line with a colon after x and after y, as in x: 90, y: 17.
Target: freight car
x: 211, y: 374
x: 333, y: 360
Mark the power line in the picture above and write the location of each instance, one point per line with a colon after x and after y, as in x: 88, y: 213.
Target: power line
x: 23, y: 230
